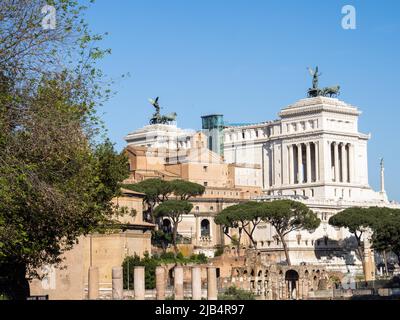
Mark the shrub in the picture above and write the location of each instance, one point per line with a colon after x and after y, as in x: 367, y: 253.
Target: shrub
x: 151, y: 262
x: 233, y: 293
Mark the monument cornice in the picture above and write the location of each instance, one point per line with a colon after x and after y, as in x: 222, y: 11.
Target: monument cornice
x: 314, y: 109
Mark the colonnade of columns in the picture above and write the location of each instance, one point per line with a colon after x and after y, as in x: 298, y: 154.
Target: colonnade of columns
x: 341, y: 161
x: 304, y: 162
x: 139, y: 283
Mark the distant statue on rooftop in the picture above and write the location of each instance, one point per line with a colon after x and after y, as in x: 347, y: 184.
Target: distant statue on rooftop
x: 315, y: 76
x: 157, y: 118
x: 333, y: 91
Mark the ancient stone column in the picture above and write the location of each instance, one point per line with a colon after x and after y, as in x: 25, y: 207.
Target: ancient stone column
x: 196, y: 283
x: 291, y: 165
x: 138, y: 278
x: 308, y: 160
x: 117, y: 283
x: 212, y: 291
x: 316, y: 149
x: 336, y: 155
x: 345, y: 164
x: 160, y: 283
x: 300, y: 176
x: 342, y: 166
x: 93, y: 283
x: 351, y: 163
x: 178, y: 283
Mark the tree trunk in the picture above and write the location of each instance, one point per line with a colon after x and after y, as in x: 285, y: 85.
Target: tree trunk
x: 285, y: 249
x: 385, y: 260
x: 174, y: 234
x: 361, y: 256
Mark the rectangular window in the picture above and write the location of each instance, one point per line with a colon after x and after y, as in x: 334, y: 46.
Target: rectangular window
x: 205, y: 183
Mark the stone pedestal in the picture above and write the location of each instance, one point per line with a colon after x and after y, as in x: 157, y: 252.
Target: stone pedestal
x: 178, y: 283
x: 160, y: 283
x: 93, y: 283
x: 139, y: 282
x: 117, y: 283
x: 212, y: 291
x: 196, y: 283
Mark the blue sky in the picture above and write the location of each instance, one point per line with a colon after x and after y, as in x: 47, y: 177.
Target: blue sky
x: 248, y: 59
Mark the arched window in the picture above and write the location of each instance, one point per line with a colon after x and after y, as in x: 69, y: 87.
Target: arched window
x: 205, y: 228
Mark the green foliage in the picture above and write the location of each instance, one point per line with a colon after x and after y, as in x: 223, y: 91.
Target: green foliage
x: 383, y: 222
x: 173, y: 209
x: 198, y: 258
x: 386, y: 236
x: 355, y: 219
x: 57, y: 174
x: 284, y: 215
x: 186, y: 189
x: 233, y: 293
x: 151, y: 262
x: 157, y: 191
x: 219, y: 252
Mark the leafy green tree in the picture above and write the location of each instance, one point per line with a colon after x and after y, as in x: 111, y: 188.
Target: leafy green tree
x: 227, y: 220
x: 149, y: 264
x: 287, y: 216
x: 357, y: 220
x: 174, y: 210
x: 386, y: 236
x: 185, y: 190
x: 155, y: 190
x: 57, y: 177
x: 245, y: 217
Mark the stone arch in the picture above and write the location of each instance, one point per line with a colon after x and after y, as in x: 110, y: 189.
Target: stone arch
x: 292, y: 283
x: 205, y: 228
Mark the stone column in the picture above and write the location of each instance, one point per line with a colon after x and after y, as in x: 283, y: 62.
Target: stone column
x: 325, y: 162
x: 285, y: 165
x: 336, y: 155
x: 291, y: 165
x: 139, y: 282
x: 342, y: 153
x: 351, y: 163
x: 196, y: 283
x: 178, y: 283
x: 308, y: 157
x: 316, y: 159
x: 117, y: 283
x: 299, y: 163
x: 300, y: 293
x: 345, y: 164
x: 212, y: 291
x: 93, y: 283
x: 160, y: 283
